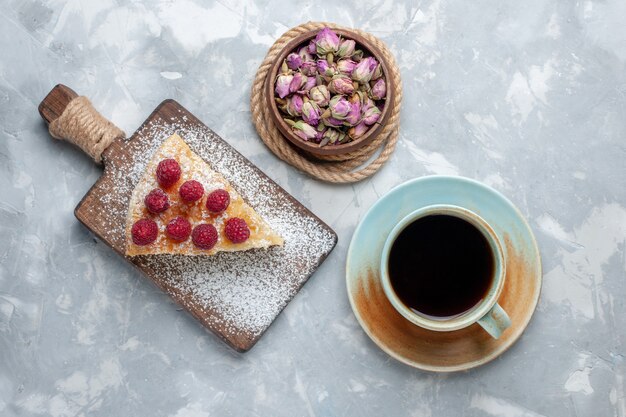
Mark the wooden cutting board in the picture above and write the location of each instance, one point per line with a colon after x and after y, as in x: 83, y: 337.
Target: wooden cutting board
x: 235, y: 295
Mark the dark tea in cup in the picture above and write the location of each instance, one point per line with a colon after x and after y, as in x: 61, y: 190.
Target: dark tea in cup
x: 441, y: 266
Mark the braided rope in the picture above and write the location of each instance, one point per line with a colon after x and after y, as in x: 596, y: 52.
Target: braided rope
x: 83, y: 126
x: 330, y: 168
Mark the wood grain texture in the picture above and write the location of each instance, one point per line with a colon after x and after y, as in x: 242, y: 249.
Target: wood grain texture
x: 106, y: 204
x: 52, y: 106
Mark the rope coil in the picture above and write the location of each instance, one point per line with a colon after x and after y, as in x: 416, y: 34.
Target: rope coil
x: 81, y: 124
x: 345, y: 168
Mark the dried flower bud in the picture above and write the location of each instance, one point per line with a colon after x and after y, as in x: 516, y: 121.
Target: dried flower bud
x: 320, y: 95
x: 282, y: 104
x: 293, y: 61
x: 326, y: 42
x: 324, y: 68
x: 310, y: 83
x: 303, y: 130
x: 371, y: 113
x: 311, y: 113
x: 354, y: 117
x: 321, y: 129
x: 364, y: 70
x: 379, y: 90
x: 297, y: 82
x: 358, y: 130
x: 294, y: 105
x: 378, y: 72
x: 339, y: 107
x: 305, y: 55
x: 346, y: 66
x: 332, y: 135
x: 359, y: 95
x: 308, y: 68
x: 346, y: 48
x: 341, y: 84
x: 331, y: 121
x: 330, y: 58
x: 282, y: 85
x: 357, y: 55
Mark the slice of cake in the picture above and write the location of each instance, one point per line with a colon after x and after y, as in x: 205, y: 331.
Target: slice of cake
x: 182, y: 206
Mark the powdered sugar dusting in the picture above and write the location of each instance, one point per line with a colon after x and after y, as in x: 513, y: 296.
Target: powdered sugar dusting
x: 240, y: 293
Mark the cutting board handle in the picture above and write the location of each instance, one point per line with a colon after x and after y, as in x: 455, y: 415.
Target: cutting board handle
x: 72, y: 118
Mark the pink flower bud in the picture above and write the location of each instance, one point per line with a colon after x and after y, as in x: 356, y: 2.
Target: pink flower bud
x: 354, y: 117
x: 282, y: 85
x: 310, y: 83
x: 305, y: 55
x: 294, y: 61
x: 309, y: 68
x: 294, y: 105
x: 332, y: 122
x: 311, y: 113
x: 303, y: 130
x: 297, y: 82
x: 346, y: 48
x: 364, y: 70
x: 358, y: 130
x: 326, y: 41
x: 346, y: 66
x: 379, y: 90
x: 320, y: 95
x: 378, y: 72
x: 341, y: 84
x: 324, y: 68
x: 339, y: 107
x: 371, y: 113
x: 321, y: 129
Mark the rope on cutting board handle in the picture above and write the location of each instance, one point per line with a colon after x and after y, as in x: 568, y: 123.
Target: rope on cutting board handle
x: 81, y: 124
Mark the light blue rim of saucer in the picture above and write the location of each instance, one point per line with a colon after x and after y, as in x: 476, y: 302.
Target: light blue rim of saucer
x: 371, y: 233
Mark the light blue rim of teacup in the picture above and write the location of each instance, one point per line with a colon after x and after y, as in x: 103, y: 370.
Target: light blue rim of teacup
x: 472, y: 315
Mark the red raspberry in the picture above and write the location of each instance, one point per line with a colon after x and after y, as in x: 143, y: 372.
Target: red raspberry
x: 144, y: 232
x: 156, y: 201
x: 204, y: 236
x: 191, y: 191
x: 217, y: 201
x: 237, y: 230
x: 178, y: 229
x: 168, y: 172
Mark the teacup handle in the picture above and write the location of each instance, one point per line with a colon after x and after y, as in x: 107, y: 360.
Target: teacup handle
x: 495, y: 321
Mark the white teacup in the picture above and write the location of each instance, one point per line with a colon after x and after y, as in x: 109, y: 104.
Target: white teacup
x: 487, y: 313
